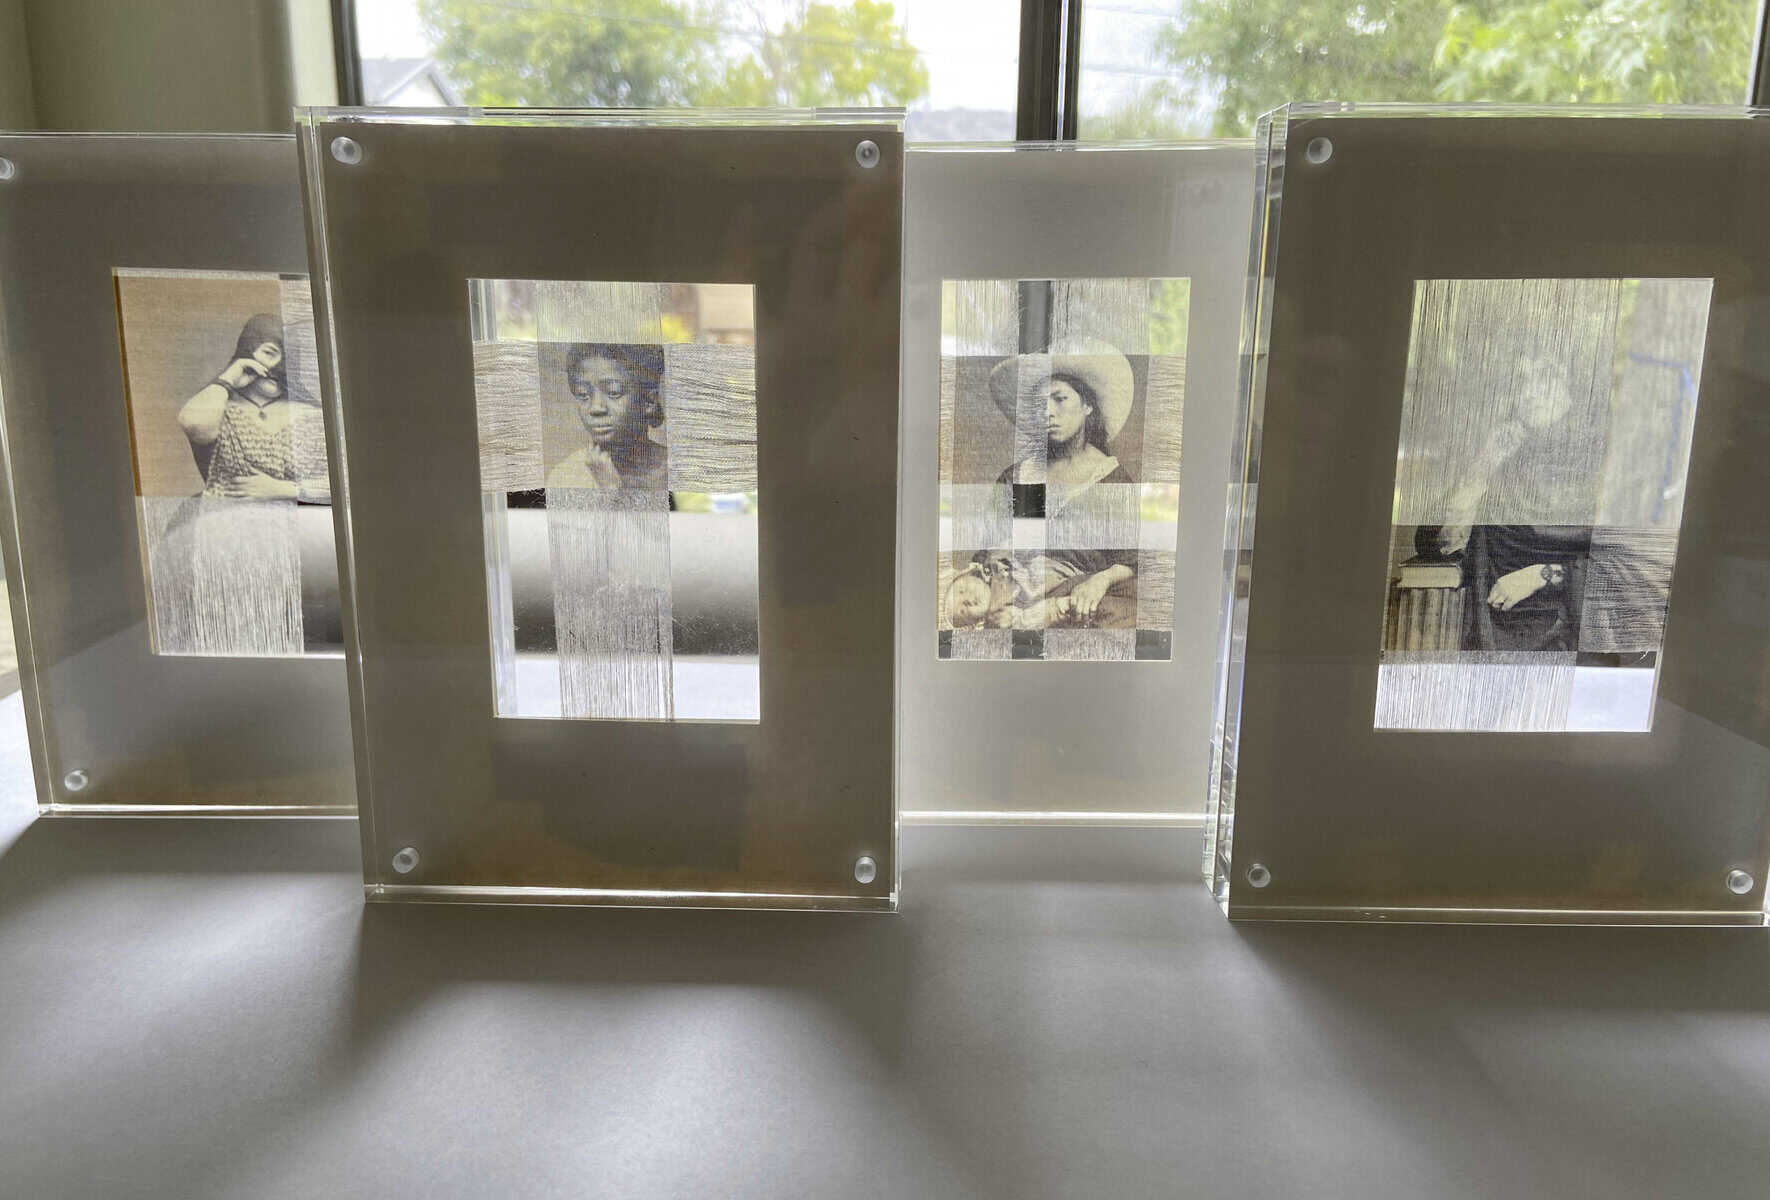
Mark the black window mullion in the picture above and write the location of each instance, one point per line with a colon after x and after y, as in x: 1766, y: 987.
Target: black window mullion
x: 346, y: 58
x: 1760, y: 94
x: 1072, y: 71
x: 1037, y: 112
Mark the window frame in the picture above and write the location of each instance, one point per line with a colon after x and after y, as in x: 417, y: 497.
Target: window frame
x: 1047, y: 103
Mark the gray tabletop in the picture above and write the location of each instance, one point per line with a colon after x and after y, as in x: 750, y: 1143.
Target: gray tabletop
x: 206, y: 1008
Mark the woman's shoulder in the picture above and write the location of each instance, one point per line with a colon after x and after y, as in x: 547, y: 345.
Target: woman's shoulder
x: 572, y: 471
x: 1024, y: 470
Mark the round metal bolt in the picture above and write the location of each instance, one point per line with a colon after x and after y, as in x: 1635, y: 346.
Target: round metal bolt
x: 867, y: 154
x: 1319, y: 150
x: 865, y: 869
x: 77, y: 779
x: 1739, y: 882
x: 346, y: 151
x: 405, y: 860
x: 8, y: 169
x: 1258, y: 875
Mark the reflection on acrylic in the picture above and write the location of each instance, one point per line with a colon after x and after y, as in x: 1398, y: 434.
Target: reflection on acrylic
x: 230, y: 463
x: 1539, y: 485
x: 617, y: 430
x: 1061, y: 405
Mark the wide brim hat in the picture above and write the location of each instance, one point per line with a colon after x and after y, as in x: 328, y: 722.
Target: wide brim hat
x: 1095, y: 365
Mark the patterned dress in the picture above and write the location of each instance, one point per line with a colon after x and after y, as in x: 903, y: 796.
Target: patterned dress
x: 227, y: 576
x: 283, y: 439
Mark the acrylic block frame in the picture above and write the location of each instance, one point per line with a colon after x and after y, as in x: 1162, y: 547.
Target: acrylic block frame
x: 999, y: 740
x: 1315, y: 813
x: 116, y: 728
x: 794, y: 811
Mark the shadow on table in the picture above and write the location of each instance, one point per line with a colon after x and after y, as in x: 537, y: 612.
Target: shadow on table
x: 55, y: 852
x: 1563, y: 1061
x: 856, y: 962
x: 1427, y: 967
x: 862, y: 963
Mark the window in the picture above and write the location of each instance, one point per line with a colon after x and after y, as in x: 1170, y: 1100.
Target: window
x: 1197, y: 68
x: 952, y: 64
x: 1147, y: 68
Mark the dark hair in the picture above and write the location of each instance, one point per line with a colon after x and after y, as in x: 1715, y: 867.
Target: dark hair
x: 643, y: 365
x: 261, y: 328
x: 1426, y: 544
x: 1094, y: 428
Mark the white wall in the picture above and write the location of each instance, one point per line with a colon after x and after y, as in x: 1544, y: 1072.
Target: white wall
x: 18, y: 109
x: 196, y: 65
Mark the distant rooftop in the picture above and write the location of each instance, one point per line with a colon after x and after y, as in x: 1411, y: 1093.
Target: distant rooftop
x: 958, y: 125
x: 408, y: 81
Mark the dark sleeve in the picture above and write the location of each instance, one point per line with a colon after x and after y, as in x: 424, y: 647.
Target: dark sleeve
x: 1092, y: 562
x: 1515, y: 546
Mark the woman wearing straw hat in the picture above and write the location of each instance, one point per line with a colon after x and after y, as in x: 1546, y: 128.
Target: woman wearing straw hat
x: 1082, y: 399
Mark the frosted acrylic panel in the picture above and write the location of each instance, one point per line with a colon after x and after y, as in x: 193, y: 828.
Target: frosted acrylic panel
x: 1495, y: 616
x: 169, y: 530
x: 1545, y: 437
x: 1060, y: 420
x: 1118, y: 272
x: 618, y: 477
x: 600, y: 661
x: 230, y: 462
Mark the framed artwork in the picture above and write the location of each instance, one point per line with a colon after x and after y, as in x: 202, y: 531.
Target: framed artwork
x: 1069, y: 387
x: 633, y: 556
x: 1494, y: 637
x: 170, y: 535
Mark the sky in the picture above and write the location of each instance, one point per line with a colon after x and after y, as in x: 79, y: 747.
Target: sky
x: 970, y: 46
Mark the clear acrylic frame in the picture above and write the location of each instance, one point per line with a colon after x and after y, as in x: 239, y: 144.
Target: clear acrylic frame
x: 143, y: 600
x: 1134, y: 254
x: 430, y: 231
x: 1317, y: 813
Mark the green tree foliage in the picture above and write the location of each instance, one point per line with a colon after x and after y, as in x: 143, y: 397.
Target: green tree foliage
x: 1150, y: 113
x: 662, y: 53
x: 1240, y: 58
x: 829, y: 55
x: 1613, y: 51
x: 1234, y: 59
x: 571, y: 53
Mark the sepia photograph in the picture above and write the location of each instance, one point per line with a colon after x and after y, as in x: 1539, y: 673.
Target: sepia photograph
x: 1060, y: 438
x: 618, y: 476
x: 222, y: 391
x: 607, y: 406
x: 1539, y: 486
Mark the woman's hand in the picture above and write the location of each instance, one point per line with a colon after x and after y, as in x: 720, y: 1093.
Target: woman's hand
x: 601, y: 467
x: 257, y: 486
x: 242, y: 373
x: 1453, y: 539
x: 1510, y: 590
